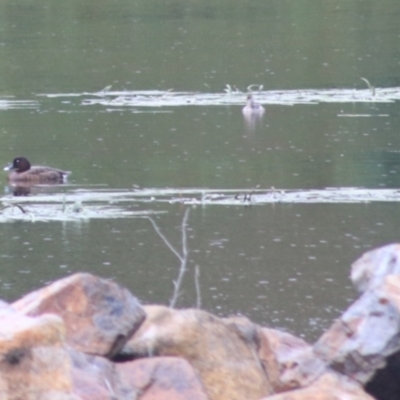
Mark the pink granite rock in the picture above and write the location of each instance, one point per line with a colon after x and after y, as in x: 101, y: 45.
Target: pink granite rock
x: 371, y: 269
x: 221, y: 352
x: 289, y: 361
x: 164, y: 378
x: 359, y: 342
x: 329, y: 386
x: 161, y: 378
x: 94, y: 378
x: 99, y: 315
x: 34, y: 362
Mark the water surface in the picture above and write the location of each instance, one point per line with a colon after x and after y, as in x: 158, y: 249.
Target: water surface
x: 280, y: 264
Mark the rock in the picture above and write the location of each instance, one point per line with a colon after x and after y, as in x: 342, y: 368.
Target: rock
x: 34, y: 362
x: 358, y: 343
x: 99, y: 315
x: 329, y: 386
x: 195, y: 355
x: 94, y: 378
x: 289, y: 361
x: 385, y: 384
x: 221, y: 354
x: 163, y: 378
x: 370, y: 270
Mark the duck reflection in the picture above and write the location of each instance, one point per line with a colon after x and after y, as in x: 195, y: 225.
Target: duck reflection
x: 28, y: 189
x: 18, y: 190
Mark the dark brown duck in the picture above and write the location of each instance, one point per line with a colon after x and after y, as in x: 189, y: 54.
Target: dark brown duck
x: 21, y: 171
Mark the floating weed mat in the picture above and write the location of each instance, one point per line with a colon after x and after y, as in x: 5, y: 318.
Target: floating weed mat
x: 81, y: 204
x: 246, y: 197
x: 115, y: 201
x: 333, y: 195
x: 45, y: 212
x: 169, y: 98
x: 10, y: 104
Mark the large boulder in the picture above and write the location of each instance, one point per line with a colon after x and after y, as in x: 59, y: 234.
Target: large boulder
x: 360, y: 341
x: 94, y: 378
x: 290, y: 362
x: 34, y: 362
x: 329, y: 386
x: 372, y: 267
x: 364, y: 343
x: 99, y: 315
x: 223, y: 356
x: 164, y: 378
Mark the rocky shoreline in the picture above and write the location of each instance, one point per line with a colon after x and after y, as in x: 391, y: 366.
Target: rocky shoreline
x: 84, y: 337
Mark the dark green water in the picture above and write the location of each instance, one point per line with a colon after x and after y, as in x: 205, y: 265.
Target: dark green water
x: 280, y: 265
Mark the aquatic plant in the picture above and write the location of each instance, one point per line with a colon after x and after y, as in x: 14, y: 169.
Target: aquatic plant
x: 370, y: 87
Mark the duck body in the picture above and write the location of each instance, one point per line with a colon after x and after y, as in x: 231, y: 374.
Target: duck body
x: 252, y: 108
x: 21, y: 171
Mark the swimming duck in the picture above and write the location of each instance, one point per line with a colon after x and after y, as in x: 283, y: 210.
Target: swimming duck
x: 21, y: 171
x: 252, y: 108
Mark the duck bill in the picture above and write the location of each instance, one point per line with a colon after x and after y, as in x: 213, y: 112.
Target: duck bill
x: 8, y: 167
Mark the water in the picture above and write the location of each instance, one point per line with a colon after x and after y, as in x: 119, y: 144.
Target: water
x: 283, y: 265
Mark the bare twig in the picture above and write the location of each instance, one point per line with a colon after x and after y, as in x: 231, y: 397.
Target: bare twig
x: 165, y: 240
x: 182, y: 269
x: 182, y: 257
x: 197, y: 284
